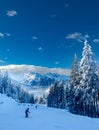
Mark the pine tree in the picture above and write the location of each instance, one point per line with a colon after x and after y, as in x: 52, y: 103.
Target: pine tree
x: 87, y: 92
x: 74, y: 82
x: 31, y: 98
x: 74, y: 72
x: 62, y: 96
x: 84, y: 85
x: 5, y: 82
x: 52, y: 100
x: 56, y: 97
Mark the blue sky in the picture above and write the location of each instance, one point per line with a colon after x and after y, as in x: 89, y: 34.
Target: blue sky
x: 47, y: 32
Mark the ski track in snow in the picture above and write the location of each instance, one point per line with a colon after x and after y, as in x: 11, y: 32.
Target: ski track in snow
x: 12, y: 117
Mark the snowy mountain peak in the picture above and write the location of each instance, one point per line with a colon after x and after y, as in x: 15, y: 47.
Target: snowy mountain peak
x: 43, y: 80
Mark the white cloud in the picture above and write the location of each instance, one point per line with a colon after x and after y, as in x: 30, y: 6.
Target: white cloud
x: 22, y: 69
x: 1, y: 35
x: 77, y: 36
x: 7, y: 34
x: 57, y: 62
x: 40, y: 49
x: 11, y: 13
x: 34, y: 37
x: 73, y: 35
x: 96, y: 40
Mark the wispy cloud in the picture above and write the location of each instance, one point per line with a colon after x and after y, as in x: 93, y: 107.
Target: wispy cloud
x: 34, y: 37
x: 73, y: 35
x: 40, y: 49
x: 7, y: 34
x: 11, y: 13
x: 96, y: 40
x: 1, y: 35
x: 77, y: 36
x: 57, y: 62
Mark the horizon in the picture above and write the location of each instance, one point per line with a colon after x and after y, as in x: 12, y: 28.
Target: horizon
x: 22, y: 69
x: 47, y: 33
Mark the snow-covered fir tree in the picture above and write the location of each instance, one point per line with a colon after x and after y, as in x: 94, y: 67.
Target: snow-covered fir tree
x: 86, y: 93
x: 62, y: 96
x: 89, y: 83
x: 31, y: 98
x: 52, y: 97
x: 74, y: 82
x: 56, y: 97
x: 13, y: 89
x: 4, y: 82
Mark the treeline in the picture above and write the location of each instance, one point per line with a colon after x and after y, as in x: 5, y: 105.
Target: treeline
x: 18, y: 91
x: 81, y: 95
x: 15, y: 90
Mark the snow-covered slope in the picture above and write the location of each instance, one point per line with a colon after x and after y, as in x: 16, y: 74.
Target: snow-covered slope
x: 12, y: 117
x: 7, y: 104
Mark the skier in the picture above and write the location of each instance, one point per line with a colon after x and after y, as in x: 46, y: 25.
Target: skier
x: 27, y: 112
x: 36, y: 106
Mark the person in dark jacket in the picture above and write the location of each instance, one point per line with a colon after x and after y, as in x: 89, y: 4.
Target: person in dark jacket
x: 27, y: 112
x: 36, y: 106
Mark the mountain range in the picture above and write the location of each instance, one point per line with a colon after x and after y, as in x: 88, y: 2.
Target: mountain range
x: 38, y: 79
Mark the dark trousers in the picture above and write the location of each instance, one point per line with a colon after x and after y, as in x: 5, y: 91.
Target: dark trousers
x: 26, y: 115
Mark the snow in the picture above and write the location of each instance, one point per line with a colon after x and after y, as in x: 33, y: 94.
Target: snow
x: 38, y: 92
x: 21, y: 69
x: 12, y: 118
x: 29, y: 77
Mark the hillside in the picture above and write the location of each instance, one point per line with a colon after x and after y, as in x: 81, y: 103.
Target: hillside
x: 34, y: 78
x: 12, y: 118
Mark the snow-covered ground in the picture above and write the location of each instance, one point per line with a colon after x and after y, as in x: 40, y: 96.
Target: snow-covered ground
x: 12, y: 117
